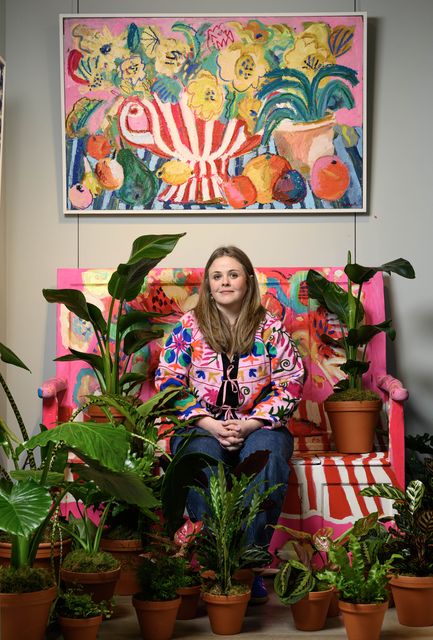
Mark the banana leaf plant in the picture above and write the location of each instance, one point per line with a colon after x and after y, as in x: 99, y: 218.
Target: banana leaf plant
x: 125, y: 331
x: 289, y: 94
x: 306, y: 554
x: 347, y: 306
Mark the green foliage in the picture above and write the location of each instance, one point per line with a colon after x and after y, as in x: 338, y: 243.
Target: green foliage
x: 72, y: 604
x: 159, y: 578
x: 121, y: 335
x: 232, y: 505
x: 419, y: 445
x: 411, y: 534
x: 82, y: 561
x: 347, y: 306
x: 24, y: 579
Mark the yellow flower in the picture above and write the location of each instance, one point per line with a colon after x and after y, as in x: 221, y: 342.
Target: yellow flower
x: 243, y: 65
x: 170, y: 54
x: 205, y: 96
x: 311, y: 50
x: 101, y: 44
x: 133, y: 75
x: 248, y: 110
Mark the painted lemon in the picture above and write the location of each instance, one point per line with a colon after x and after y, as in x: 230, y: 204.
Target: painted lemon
x: 175, y: 172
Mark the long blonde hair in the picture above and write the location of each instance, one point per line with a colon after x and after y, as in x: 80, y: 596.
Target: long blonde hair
x: 218, y: 334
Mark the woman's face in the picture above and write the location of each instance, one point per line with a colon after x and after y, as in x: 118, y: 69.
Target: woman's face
x: 228, y: 284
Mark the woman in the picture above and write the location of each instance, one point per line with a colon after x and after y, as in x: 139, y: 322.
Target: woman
x: 242, y: 378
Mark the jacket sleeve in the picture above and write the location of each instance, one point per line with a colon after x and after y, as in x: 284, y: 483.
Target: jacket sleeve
x: 279, y: 399
x: 174, y: 367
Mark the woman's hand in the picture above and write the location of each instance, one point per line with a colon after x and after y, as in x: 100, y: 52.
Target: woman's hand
x: 242, y: 429
x: 227, y: 436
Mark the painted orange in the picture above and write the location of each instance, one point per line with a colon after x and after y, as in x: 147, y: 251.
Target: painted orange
x: 109, y: 173
x: 330, y: 178
x: 98, y: 146
x: 239, y: 191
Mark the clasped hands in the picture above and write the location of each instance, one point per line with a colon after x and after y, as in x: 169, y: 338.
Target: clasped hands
x: 230, y: 433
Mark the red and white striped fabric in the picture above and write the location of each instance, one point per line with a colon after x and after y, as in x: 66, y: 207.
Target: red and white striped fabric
x: 173, y: 131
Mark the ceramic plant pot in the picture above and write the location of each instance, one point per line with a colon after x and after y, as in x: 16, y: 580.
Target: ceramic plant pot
x: 80, y: 628
x: 353, y: 424
x: 48, y: 556
x: 100, y: 585
x: 190, y: 597
x: 156, y: 619
x: 226, y: 613
x: 25, y: 615
x: 127, y: 552
x: 334, y: 609
x: 309, y: 614
x: 413, y: 598
x: 363, y: 621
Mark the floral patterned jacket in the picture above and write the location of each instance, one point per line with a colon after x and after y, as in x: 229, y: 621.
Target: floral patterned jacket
x: 265, y: 384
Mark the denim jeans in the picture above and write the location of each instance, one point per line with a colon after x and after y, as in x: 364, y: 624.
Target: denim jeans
x: 280, y: 444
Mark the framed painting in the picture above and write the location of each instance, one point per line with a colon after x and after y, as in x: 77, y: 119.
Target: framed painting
x: 2, y: 102
x: 214, y: 114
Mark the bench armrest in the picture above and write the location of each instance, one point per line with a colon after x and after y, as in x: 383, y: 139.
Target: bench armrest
x: 397, y: 394
x: 52, y: 392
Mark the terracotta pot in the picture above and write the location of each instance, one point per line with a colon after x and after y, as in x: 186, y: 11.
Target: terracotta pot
x: 309, y: 614
x: 302, y: 143
x: 226, y: 613
x: 94, y: 413
x: 100, y: 585
x: 189, y: 602
x: 363, y: 620
x: 80, y: 628
x: 46, y: 551
x: 127, y: 552
x: 413, y: 597
x: 353, y: 424
x: 244, y: 576
x: 334, y: 609
x: 156, y: 619
x: 24, y: 615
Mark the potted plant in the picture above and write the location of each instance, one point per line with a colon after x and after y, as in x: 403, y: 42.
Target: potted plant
x: 412, y: 538
x: 353, y: 410
x: 361, y: 579
x: 125, y: 331
x: 79, y: 616
x: 222, y: 543
x: 157, y: 602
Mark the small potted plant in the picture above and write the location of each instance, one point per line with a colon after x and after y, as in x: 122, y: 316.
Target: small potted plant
x: 361, y: 579
x: 79, y: 616
x: 222, y: 543
x: 352, y: 409
x: 411, y: 536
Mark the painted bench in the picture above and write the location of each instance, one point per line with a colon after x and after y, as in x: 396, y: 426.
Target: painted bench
x: 324, y: 485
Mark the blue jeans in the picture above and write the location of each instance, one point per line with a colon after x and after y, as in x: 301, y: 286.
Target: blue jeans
x: 280, y: 444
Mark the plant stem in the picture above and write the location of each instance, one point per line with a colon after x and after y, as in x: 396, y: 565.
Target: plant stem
x: 19, y: 419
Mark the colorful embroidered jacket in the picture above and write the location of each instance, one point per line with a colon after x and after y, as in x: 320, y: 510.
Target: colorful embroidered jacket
x: 265, y: 384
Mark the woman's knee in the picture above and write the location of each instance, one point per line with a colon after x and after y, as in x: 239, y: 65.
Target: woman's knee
x: 279, y: 443
x: 196, y: 440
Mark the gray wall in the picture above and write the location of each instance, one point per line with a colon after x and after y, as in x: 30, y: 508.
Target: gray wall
x: 40, y: 239
x: 2, y: 226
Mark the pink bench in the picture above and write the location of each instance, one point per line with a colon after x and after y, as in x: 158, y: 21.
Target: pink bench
x: 324, y: 485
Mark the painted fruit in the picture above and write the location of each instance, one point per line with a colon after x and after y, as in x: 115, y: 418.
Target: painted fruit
x: 290, y: 188
x: 109, y: 173
x: 98, y: 146
x: 80, y: 196
x: 330, y: 178
x: 239, y: 191
x: 264, y: 171
x: 175, y: 172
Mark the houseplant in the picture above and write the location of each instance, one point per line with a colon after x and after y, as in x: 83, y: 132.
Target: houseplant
x: 79, y: 616
x: 232, y: 505
x: 350, y: 395
x: 412, y: 538
x: 361, y: 579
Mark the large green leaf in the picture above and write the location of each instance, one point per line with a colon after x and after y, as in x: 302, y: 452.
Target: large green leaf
x: 382, y: 490
x: 139, y: 338
x: 328, y: 294
x: 414, y: 494
x: 8, y: 356
x: 140, y: 318
x: 24, y: 508
x: 363, y: 335
x: 101, y: 442
x: 73, y: 300
x: 127, y: 281
x: 95, y: 361
x: 359, y: 274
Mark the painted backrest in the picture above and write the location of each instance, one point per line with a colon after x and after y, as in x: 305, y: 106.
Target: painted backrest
x: 174, y: 291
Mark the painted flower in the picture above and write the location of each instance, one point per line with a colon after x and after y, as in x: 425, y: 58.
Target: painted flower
x: 177, y: 347
x: 311, y: 50
x: 243, y: 65
x: 248, y: 110
x: 170, y: 54
x: 219, y: 37
x: 205, y: 96
x: 100, y: 44
x: 253, y: 31
x: 132, y: 71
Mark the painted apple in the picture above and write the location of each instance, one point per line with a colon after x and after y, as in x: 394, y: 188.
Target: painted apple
x: 98, y: 146
x: 290, y: 188
x: 109, y: 173
x: 239, y: 191
x: 330, y: 178
x: 263, y: 171
x: 80, y: 196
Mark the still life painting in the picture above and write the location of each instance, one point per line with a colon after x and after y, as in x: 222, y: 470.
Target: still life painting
x: 206, y: 114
